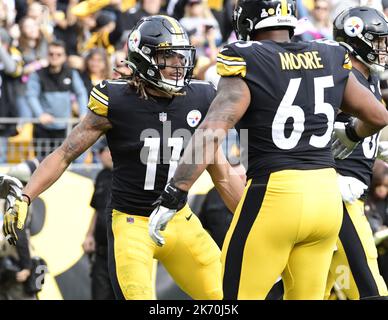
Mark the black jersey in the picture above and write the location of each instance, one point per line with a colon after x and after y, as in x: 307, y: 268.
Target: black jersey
x: 147, y: 138
x: 296, y: 90
x: 359, y: 164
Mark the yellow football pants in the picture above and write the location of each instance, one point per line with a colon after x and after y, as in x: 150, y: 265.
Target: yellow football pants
x: 286, y: 224
x: 354, y: 266
x: 190, y: 256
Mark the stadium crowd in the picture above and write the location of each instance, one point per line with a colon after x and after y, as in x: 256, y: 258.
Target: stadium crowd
x: 53, y: 52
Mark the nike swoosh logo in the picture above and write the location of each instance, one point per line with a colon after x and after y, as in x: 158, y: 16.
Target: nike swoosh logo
x: 189, y: 217
x: 102, y: 85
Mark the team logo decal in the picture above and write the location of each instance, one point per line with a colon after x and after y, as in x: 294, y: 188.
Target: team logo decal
x: 163, y: 116
x: 67, y: 81
x: 134, y: 40
x: 353, y: 26
x: 264, y: 13
x: 193, y: 118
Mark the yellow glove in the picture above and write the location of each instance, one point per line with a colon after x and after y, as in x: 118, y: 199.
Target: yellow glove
x: 15, y: 216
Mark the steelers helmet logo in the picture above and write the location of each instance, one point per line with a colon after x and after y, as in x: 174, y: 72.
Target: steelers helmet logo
x: 353, y: 26
x: 193, y: 118
x: 134, y: 40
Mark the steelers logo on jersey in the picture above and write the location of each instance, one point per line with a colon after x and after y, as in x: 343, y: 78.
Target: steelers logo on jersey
x: 193, y: 118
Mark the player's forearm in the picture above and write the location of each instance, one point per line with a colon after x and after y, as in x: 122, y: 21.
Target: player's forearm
x: 92, y: 225
x: 229, y: 182
x: 49, y: 171
x: 231, y: 190
x: 364, y: 129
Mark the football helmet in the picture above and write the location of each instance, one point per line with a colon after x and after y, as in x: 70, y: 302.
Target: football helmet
x: 249, y: 16
x: 363, y: 31
x: 151, y: 43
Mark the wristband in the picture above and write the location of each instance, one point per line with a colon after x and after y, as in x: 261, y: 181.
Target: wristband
x: 351, y: 133
x: 28, y: 198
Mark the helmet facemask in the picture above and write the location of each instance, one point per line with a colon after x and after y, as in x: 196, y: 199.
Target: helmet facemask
x: 177, y: 62
x: 376, y: 58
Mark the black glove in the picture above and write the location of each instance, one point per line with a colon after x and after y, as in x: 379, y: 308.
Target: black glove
x: 172, y: 197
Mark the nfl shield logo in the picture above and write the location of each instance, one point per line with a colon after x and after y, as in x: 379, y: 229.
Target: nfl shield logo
x: 130, y: 220
x: 162, y: 116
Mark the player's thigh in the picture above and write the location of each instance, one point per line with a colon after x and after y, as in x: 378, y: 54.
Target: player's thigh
x: 309, y: 262
x: 258, y: 243
x: 131, y: 256
x: 194, y: 261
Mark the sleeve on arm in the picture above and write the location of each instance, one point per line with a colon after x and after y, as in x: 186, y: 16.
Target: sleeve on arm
x: 33, y: 94
x: 99, y: 99
x: 230, y: 63
x: 80, y: 91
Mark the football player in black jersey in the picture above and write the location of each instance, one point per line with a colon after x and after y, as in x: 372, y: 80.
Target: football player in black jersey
x: 147, y: 120
x: 364, y: 32
x: 287, y: 95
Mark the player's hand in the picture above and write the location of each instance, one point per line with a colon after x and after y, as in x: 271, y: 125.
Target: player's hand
x: 15, y: 217
x: 168, y: 204
x: 343, y: 145
x: 89, y: 244
x: 158, y: 222
x: 10, y: 189
x: 351, y: 188
x: 383, y: 151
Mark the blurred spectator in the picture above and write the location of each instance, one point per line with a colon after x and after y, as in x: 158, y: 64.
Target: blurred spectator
x: 321, y: 18
x: 176, y: 8
x: 33, y: 46
x: 97, y: 68
x: 202, y: 28
x: 224, y: 18
x: 10, y: 68
x: 49, y: 94
x: 376, y: 210
x: 316, y: 26
x: 120, y: 68
x: 145, y: 8
x: 96, y: 244
x: 7, y: 13
x: 106, y: 32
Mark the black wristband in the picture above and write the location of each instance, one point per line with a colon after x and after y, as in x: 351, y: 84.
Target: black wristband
x: 28, y: 198
x: 351, y: 132
x: 172, y: 197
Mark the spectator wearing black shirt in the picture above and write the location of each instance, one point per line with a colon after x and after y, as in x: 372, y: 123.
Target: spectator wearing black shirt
x: 95, y: 242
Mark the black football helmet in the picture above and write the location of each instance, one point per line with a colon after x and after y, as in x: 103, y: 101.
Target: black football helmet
x: 151, y: 42
x: 249, y: 16
x: 363, y: 31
